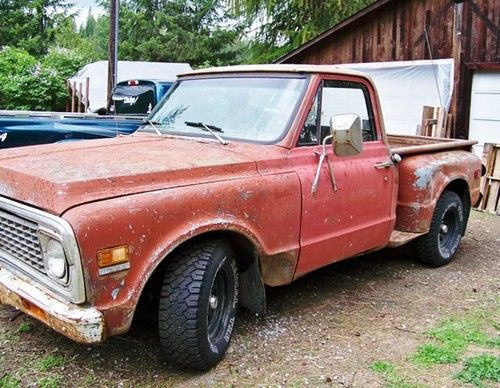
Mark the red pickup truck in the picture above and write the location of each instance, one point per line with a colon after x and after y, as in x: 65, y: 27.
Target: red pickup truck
x: 243, y: 177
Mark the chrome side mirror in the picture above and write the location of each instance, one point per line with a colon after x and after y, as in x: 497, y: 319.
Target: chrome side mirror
x: 347, y: 136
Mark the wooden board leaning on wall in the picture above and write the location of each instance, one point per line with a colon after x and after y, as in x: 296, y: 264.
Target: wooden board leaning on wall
x: 490, y: 184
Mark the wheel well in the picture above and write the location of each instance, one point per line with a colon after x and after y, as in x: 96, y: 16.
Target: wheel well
x: 460, y: 187
x: 246, y: 257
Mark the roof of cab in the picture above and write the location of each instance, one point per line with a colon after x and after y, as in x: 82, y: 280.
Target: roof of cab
x: 286, y: 68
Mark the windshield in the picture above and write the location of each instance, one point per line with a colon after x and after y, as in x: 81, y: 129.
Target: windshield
x: 133, y: 99
x: 244, y: 108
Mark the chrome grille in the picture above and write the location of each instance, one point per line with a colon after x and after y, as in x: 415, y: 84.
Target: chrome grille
x: 19, y: 239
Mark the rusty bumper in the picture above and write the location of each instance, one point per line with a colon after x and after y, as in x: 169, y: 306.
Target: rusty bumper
x: 82, y: 324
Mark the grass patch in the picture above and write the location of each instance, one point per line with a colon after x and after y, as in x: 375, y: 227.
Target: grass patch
x: 460, y: 333
x: 479, y: 368
x: 428, y: 354
x: 452, y: 337
x: 24, y: 327
x: 7, y: 381
x: 49, y: 362
x: 382, y: 367
x: 48, y: 382
x: 390, y: 374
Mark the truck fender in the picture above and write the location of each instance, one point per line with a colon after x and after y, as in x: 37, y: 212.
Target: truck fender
x: 422, y: 180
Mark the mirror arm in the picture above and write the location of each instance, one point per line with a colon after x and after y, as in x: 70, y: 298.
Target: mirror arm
x: 322, y: 156
x: 329, y: 137
x: 332, y: 175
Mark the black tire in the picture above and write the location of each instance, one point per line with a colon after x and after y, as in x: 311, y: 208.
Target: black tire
x: 198, y: 304
x: 438, y: 247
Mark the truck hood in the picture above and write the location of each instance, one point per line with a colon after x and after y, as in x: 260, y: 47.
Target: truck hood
x: 57, y: 177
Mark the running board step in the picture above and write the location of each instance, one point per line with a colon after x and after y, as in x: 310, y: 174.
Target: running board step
x: 399, y: 238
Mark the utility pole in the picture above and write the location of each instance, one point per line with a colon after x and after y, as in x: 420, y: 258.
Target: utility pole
x: 113, y: 45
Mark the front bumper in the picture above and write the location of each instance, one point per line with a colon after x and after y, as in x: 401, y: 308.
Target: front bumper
x: 81, y: 324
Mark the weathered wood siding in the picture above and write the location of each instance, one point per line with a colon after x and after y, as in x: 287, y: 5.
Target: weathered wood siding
x: 481, y: 31
x: 396, y: 31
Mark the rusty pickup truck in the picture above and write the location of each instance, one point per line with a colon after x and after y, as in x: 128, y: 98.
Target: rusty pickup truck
x: 243, y: 177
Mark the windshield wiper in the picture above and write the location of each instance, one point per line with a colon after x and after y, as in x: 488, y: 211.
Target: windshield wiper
x: 152, y: 123
x: 209, y: 128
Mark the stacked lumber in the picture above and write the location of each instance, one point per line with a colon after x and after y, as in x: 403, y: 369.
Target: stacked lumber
x: 435, y: 122
x: 490, y: 185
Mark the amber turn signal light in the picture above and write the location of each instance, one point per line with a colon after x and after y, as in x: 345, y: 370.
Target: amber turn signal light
x: 112, y: 256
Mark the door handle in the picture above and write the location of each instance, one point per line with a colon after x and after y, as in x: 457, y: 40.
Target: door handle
x: 386, y: 164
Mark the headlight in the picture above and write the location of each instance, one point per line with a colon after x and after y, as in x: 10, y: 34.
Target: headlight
x: 54, y: 257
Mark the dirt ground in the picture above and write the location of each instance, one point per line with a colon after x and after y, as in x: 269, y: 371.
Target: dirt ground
x: 326, y: 328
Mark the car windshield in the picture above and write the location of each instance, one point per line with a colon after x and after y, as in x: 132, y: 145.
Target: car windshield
x: 133, y: 99
x: 243, y: 108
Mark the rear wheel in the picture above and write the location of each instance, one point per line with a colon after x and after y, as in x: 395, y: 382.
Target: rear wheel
x: 198, y: 304
x: 438, y: 247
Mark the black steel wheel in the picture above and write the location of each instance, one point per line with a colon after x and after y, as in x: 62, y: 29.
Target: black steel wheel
x: 198, y: 304
x: 438, y: 247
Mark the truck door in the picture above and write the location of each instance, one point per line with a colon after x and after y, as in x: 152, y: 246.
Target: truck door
x: 359, y: 215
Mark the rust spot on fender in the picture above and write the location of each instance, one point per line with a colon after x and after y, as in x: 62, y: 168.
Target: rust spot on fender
x: 278, y: 270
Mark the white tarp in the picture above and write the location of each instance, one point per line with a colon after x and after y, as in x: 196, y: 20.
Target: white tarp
x: 405, y: 87
x: 98, y: 75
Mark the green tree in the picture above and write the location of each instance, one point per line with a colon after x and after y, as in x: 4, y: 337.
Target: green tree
x: 92, y: 47
x: 89, y: 29
x: 200, y: 32
x: 31, y: 24
x: 280, y: 26
x: 29, y: 84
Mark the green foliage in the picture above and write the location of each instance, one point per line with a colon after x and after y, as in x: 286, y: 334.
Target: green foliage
x: 7, y: 381
x: 50, y: 362
x: 92, y: 48
x: 66, y: 62
x: 429, y: 354
x: 48, y: 382
x: 284, y: 25
x: 198, y: 32
x: 28, y: 84
x: 461, y: 332
x: 24, y: 327
x: 31, y: 24
x: 479, y: 368
x: 390, y: 374
x: 454, y: 336
x: 382, y: 367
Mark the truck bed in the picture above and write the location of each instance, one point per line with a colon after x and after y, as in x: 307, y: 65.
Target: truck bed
x: 409, y: 145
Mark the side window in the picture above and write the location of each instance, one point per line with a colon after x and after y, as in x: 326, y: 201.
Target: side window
x: 335, y: 98
x: 341, y: 97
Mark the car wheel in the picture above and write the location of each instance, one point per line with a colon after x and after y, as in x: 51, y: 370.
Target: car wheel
x: 438, y: 247
x: 198, y: 304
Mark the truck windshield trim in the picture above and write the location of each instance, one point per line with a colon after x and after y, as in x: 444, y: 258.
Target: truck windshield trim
x: 257, y: 108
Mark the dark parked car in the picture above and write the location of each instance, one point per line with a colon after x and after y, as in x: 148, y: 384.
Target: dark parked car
x: 19, y: 128
x: 137, y: 97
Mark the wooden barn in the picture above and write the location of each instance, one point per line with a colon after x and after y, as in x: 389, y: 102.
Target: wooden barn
x: 401, y: 30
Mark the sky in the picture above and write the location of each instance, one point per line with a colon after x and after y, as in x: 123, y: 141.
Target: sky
x: 82, y: 6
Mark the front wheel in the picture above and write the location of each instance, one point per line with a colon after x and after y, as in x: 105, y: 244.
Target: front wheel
x: 198, y: 304
x: 438, y: 247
